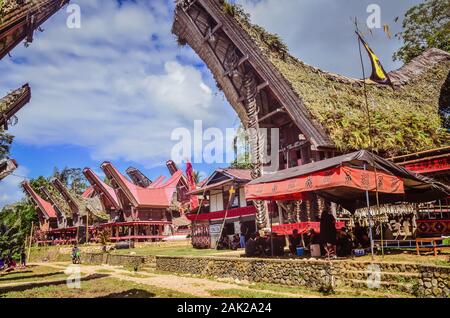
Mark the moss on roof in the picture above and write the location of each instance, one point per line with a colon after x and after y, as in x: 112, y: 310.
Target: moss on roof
x: 9, y: 100
x: 405, y: 120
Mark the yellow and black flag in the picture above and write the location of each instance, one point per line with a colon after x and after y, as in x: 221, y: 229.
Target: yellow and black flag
x: 379, y: 75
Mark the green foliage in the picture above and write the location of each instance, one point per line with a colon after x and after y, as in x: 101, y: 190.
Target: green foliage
x: 16, y: 220
x: 272, y: 41
x: 426, y: 25
x: 5, y: 144
x: 241, y: 147
x: 72, y: 178
x: 197, y: 176
x: 15, y: 226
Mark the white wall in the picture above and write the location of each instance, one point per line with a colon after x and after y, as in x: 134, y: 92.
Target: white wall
x: 216, y: 201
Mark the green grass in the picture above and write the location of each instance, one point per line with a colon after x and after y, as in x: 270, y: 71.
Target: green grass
x: 105, y: 287
x: 244, y: 293
x: 169, y: 251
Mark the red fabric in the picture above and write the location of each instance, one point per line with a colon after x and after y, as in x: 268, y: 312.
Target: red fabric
x: 343, y: 176
x: 430, y: 165
x: 190, y: 176
x: 302, y: 227
x: 250, y: 210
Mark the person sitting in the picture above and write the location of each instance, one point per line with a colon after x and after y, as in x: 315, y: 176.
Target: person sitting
x: 344, y: 244
x: 278, y: 244
x: 362, y: 239
x: 224, y: 243
x: 236, y: 242
x: 10, y: 263
x: 251, y: 247
x: 295, y: 240
x: 260, y: 244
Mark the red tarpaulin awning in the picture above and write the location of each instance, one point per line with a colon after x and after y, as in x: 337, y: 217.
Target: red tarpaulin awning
x: 343, y: 176
x: 302, y: 227
x: 346, y: 180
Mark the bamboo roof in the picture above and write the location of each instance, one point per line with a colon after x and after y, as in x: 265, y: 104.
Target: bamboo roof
x: 19, y: 19
x: 330, y: 107
x: 13, y: 102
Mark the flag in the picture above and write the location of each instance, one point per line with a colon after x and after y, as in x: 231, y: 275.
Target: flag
x: 379, y: 75
x: 192, y: 186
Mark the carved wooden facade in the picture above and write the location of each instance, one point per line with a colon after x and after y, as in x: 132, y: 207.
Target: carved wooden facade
x: 20, y: 23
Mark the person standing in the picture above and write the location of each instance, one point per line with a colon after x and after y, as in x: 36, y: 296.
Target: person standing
x: 23, y: 259
x: 243, y: 236
x: 328, y: 233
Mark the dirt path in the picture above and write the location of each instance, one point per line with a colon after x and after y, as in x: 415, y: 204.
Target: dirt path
x: 198, y: 287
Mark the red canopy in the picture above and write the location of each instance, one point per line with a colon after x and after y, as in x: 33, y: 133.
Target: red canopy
x: 302, y: 227
x: 346, y: 180
x: 293, y: 189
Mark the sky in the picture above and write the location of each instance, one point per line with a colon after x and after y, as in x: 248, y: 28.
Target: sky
x: 116, y: 88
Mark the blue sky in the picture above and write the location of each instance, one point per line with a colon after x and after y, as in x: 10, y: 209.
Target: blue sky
x: 116, y: 88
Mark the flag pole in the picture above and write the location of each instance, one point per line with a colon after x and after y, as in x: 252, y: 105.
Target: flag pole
x: 369, y: 121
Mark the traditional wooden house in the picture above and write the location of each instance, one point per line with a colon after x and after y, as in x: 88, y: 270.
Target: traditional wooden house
x: 319, y: 115
x: 12, y: 103
x: 7, y: 166
x: 20, y: 18
x: 147, y: 212
x: 85, y: 211
x: 9, y: 106
x: 138, y: 177
x: 48, y: 218
x: 183, y: 186
x: 224, y: 207
x: 64, y: 219
x: 433, y: 219
x: 107, y: 196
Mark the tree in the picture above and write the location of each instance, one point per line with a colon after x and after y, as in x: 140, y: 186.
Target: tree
x: 197, y: 176
x: 72, y: 178
x: 426, y: 25
x: 16, y: 221
x: 5, y: 144
x: 241, y: 147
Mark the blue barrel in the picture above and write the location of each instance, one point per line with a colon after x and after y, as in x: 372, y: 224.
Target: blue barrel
x: 300, y: 251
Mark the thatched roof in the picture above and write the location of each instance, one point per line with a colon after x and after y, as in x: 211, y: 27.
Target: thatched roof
x: 19, y: 19
x: 13, y: 102
x: 78, y: 203
x: 330, y: 107
x: 7, y: 166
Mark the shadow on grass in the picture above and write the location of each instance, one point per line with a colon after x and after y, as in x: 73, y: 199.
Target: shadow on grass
x: 20, y: 288
x: 5, y: 274
x: 132, y: 293
x: 29, y: 276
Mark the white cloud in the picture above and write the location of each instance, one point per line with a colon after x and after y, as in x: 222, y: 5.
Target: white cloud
x: 321, y: 32
x: 10, y: 189
x: 116, y: 86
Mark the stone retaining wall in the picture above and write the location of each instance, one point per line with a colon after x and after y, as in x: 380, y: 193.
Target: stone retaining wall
x: 418, y: 280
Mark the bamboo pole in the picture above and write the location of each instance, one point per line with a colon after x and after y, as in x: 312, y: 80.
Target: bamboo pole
x: 31, y: 240
x: 87, y: 227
